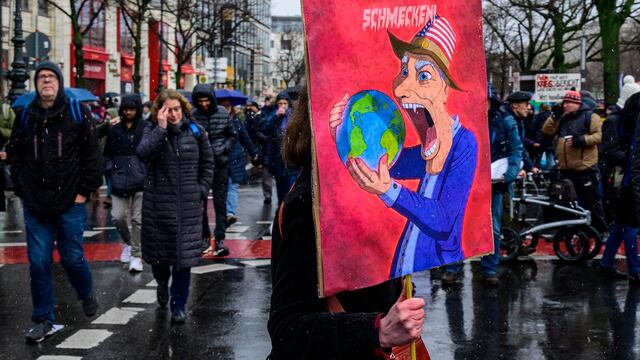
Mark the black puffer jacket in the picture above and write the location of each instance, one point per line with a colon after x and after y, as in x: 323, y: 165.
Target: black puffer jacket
x: 52, y: 157
x: 628, y: 203
x: 179, y: 174
x: 299, y: 324
x: 122, y: 163
x: 216, y: 121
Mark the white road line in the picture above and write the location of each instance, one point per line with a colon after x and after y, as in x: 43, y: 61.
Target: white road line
x: 266, y: 237
x: 104, y: 228
x: 89, y: 233
x: 117, y: 316
x: 85, y: 339
x: 142, y: 296
x: 12, y: 244
x: 11, y: 231
x: 264, y: 222
x: 233, y: 236
x: 211, y: 268
x: 256, y: 263
x: 58, y: 357
x: 152, y: 283
x: 237, y: 229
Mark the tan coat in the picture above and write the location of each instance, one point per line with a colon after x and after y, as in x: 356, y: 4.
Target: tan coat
x: 576, y: 158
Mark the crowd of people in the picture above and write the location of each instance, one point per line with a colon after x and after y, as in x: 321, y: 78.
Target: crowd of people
x: 159, y: 162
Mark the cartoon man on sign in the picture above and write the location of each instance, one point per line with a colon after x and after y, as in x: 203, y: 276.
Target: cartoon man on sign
x: 444, y: 162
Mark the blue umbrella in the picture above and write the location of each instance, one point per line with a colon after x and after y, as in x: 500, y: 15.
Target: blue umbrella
x: 236, y: 97
x: 73, y: 93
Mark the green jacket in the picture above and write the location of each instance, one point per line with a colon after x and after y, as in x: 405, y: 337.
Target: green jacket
x: 7, y: 117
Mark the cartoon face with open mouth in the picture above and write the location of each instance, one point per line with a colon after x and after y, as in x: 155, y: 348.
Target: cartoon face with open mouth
x: 421, y: 89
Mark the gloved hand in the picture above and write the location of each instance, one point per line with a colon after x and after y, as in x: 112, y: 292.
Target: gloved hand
x: 578, y: 141
x: 256, y: 161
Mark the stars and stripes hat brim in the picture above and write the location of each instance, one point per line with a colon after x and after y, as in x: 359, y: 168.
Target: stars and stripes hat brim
x: 436, y: 40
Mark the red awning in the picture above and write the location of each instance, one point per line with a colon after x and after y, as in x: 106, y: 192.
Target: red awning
x: 95, y: 54
x: 187, y: 69
x: 127, y: 60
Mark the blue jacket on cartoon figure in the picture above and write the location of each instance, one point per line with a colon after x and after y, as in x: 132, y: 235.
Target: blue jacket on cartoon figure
x: 435, y: 212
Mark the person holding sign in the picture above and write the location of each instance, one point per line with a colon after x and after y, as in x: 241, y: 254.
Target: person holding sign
x: 445, y: 161
x: 361, y: 324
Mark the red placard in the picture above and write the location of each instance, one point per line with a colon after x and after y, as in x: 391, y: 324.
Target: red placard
x: 404, y: 183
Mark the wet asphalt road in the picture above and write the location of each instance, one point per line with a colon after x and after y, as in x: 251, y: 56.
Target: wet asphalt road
x: 543, y: 310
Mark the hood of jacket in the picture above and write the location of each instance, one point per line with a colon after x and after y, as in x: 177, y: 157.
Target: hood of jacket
x: 131, y: 101
x: 61, y: 98
x: 204, y: 90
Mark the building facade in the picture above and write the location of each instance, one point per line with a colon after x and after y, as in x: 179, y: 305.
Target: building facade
x: 107, y: 46
x: 287, y: 52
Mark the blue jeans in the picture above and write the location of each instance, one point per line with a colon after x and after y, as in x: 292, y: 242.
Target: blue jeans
x: 627, y: 234
x: 488, y: 263
x: 179, y: 285
x: 67, y: 231
x: 232, y: 197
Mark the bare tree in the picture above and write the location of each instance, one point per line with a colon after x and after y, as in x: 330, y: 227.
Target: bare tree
x: 76, y: 8
x: 612, y: 14
x: 290, y: 63
x: 135, y: 14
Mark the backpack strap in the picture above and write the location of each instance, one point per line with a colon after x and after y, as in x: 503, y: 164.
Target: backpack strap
x: 587, y: 120
x: 23, y: 115
x: 195, y: 130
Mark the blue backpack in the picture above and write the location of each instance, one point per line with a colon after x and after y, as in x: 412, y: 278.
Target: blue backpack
x: 195, y: 130
x: 76, y: 113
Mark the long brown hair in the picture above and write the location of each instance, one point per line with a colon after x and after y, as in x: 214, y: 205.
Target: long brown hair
x: 296, y: 149
x: 173, y: 95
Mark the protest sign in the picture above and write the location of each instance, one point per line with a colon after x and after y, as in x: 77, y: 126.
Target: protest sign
x: 398, y: 96
x: 552, y: 87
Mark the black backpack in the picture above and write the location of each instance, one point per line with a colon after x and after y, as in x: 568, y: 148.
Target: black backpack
x: 562, y: 192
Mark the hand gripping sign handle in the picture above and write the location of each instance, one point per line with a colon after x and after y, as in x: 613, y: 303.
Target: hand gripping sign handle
x: 409, y: 286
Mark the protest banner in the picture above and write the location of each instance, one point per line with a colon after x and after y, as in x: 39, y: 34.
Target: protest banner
x: 552, y: 87
x: 398, y: 96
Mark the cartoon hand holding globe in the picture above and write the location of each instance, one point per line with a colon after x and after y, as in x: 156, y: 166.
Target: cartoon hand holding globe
x: 369, y: 131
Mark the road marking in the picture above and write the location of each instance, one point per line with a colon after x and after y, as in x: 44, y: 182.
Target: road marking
x: 89, y: 233
x: 266, y: 237
x: 256, y: 263
x: 142, y: 296
x: 152, y: 283
x: 104, y: 228
x: 12, y: 244
x: 237, y: 229
x: 264, y: 222
x: 58, y: 357
x: 233, y: 236
x: 211, y: 268
x: 11, y: 231
x: 117, y: 316
x: 85, y: 339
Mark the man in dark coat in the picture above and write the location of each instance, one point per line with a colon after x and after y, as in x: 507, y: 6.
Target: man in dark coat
x: 253, y: 119
x: 54, y: 159
x: 625, y: 226
x: 127, y: 172
x: 274, y: 128
x: 179, y: 174
x: 222, y: 134
x: 612, y: 159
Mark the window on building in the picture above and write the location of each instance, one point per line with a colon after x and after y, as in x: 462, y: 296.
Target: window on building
x: 164, y: 33
x: 25, y: 3
x: 43, y: 7
x: 126, y: 40
x: 95, y: 36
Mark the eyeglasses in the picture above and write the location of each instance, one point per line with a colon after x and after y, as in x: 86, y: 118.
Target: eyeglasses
x: 46, y: 77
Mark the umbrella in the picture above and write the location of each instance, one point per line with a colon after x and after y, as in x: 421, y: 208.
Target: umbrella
x: 236, y: 97
x: 73, y: 93
x: 185, y: 93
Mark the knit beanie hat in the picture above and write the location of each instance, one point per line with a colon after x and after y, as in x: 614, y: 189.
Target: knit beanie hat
x: 572, y: 96
x: 629, y: 88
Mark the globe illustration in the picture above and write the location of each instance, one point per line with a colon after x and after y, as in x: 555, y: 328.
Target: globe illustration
x: 371, y: 127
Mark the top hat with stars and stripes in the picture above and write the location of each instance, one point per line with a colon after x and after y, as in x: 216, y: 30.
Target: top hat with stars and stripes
x: 436, y: 39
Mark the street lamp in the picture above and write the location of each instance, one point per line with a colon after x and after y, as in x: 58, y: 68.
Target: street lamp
x: 160, y: 34
x: 18, y: 74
